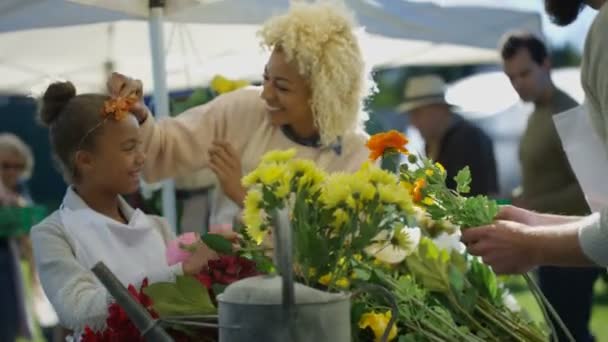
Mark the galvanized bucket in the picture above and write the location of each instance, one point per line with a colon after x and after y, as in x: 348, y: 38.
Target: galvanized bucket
x: 274, y: 309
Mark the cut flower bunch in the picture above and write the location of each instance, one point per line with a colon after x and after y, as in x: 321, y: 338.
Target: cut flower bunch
x: 398, y: 229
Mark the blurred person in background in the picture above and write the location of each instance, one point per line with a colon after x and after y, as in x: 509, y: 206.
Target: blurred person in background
x: 20, y: 293
x: 450, y: 139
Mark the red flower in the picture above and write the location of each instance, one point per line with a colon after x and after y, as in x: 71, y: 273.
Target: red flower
x: 205, y: 280
x: 230, y: 268
x: 119, y: 326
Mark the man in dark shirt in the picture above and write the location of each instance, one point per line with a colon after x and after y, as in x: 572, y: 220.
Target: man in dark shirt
x: 449, y: 139
x: 548, y: 183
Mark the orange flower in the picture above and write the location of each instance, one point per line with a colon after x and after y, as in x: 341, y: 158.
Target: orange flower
x: 417, y: 194
x: 118, y: 108
x: 391, y: 141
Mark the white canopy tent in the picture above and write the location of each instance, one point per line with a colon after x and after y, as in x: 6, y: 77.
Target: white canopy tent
x: 83, y: 43
x: 82, y: 40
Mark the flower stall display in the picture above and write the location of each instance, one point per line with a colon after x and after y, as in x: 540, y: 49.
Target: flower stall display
x: 398, y: 229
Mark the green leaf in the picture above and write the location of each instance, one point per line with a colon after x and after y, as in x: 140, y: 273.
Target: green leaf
x: 187, y: 296
x: 356, y: 311
x: 463, y: 180
x: 468, y: 299
x: 218, y: 243
x: 430, y: 266
x: 362, y: 274
x: 458, y: 261
x: 483, y: 278
x: 218, y: 289
x: 411, y: 337
x: 456, y: 279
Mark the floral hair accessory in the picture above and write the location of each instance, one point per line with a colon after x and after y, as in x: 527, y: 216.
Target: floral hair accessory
x: 118, y: 108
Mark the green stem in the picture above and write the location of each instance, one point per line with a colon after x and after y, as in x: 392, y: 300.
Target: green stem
x: 510, y: 330
x: 544, y: 302
x: 468, y: 316
x: 511, y: 326
x: 436, y: 331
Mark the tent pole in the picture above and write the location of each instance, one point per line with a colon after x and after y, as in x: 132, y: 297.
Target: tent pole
x: 161, y: 97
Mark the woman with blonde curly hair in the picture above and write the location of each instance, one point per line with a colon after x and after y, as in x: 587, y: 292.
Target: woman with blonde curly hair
x: 311, y: 100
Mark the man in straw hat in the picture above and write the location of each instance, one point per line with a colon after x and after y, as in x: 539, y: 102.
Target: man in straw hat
x: 449, y: 139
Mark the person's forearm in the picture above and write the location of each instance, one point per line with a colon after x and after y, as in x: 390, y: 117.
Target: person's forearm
x: 559, y: 244
x: 551, y: 219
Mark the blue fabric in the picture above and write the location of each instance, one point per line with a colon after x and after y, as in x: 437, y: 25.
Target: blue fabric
x: 8, y: 295
x: 314, y: 141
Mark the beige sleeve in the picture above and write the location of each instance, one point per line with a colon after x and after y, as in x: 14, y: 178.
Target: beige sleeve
x: 178, y: 146
x: 356, y: 153
x: 593, y: 237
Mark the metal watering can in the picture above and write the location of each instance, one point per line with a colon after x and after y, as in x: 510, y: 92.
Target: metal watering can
x: 275, y: 309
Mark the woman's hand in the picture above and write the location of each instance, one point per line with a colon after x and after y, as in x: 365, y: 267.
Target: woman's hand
x: 198, y: 259
x: 225, y: 162
x: 120, y: 85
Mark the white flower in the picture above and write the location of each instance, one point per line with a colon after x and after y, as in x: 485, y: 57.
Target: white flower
x: 510, y: 302
x: 450, y: 242
x: 394, y: 246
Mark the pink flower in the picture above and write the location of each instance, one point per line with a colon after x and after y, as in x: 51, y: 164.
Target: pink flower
x: 176, y: 252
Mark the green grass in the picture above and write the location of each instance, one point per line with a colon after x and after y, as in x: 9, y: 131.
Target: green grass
x: 599, y: 315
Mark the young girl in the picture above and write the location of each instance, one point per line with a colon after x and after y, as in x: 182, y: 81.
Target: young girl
x: 311, y: 101
x: 98, y: 146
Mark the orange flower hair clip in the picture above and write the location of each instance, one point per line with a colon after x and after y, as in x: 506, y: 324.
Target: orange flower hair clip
x: 118, y: 108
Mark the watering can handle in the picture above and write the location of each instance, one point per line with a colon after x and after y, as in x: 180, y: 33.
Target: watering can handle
x: 283, y: 242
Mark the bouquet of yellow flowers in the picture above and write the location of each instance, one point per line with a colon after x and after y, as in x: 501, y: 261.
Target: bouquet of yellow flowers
x: 399, y: 230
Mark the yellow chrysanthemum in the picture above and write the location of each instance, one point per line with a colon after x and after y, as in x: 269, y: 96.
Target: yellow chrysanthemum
x: 361, y: 187
x: 325, y: 279
x: 378, y: 322
x: 394, y: 194
x: 255, y: 227
x: 376, y: 175
x: 343, y: 282
x: 302, y: 166
x: 429, y: 172
x: 407, y: 186
x: 253, y: 216
x: 428, y: 201
x: 440, y: 167
x: 271, y: 173
x: 336, y: 190
x: 251, y: 178
x: 282, y: 190
x: 340, y: 217
x: 307, y: 174
x: 279, y: 156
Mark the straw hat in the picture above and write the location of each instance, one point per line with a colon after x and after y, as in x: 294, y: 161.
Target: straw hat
x: 421, y: 91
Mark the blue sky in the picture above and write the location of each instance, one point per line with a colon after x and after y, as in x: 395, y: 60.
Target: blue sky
x: 574, y: 34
